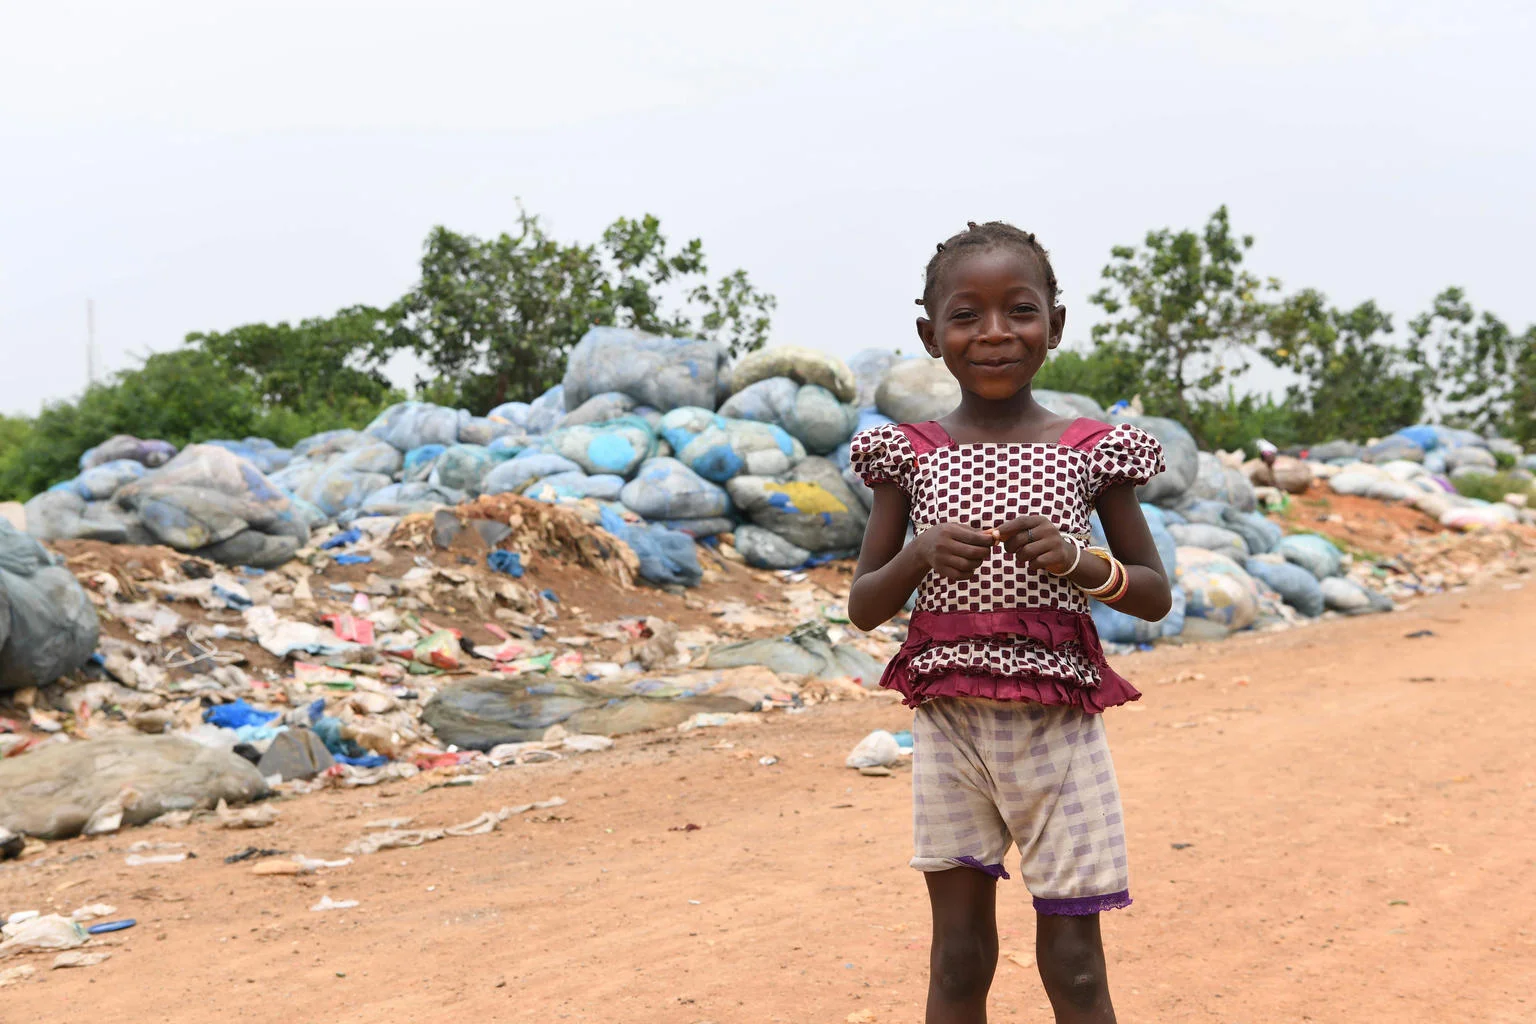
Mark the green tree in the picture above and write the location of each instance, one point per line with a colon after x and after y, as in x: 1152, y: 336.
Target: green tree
x: 318, y: 363
x: 181, y: 396
x: 1106, y: 372
x: 498, y: 316
x: 1485, y: 371
x: 1186, y: 308
x: 1355, y: 383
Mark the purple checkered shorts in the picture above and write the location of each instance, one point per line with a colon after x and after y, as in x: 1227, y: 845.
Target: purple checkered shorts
x: 987, y: 775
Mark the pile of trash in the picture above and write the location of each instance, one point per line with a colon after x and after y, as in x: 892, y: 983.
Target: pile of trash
x: 454, y: 641
x: 662, y: 445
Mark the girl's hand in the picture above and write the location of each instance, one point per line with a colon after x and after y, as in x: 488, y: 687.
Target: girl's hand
x: 954, y: 550
x: 1036, y: 541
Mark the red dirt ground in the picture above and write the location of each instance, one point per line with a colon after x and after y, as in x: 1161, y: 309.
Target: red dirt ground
x: 1358, y: 807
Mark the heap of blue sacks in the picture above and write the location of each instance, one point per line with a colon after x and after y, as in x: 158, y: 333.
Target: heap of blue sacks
x: 666, y: 445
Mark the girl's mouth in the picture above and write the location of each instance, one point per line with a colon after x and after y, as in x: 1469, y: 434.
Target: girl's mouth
x: 994, y: 364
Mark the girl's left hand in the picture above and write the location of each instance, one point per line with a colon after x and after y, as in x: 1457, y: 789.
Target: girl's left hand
x: 1035, y: 540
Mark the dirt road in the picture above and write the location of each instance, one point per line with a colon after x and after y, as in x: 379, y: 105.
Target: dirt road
x: 1352, y: 811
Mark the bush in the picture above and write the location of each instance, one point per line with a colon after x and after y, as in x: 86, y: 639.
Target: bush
x: 1492, y: 486
x: 181, y: 397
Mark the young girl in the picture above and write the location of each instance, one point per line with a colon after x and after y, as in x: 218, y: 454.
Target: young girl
x: 1001, y: 659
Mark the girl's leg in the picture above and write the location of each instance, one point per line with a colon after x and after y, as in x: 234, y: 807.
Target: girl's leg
x: 1070, y: 953
x: 964, y: 954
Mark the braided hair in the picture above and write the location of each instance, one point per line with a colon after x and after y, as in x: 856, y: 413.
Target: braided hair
x: 985, y: 236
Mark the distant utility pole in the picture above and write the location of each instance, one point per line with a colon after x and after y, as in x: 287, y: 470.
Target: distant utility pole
x: 90, y: 342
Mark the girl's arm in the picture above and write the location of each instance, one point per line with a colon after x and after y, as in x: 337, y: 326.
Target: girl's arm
x: 1035, y: 540
x: 889, y: 569
x: 1149, y: 596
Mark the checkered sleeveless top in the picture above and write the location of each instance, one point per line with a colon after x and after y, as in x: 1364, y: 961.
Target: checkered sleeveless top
x: 1010, y: 632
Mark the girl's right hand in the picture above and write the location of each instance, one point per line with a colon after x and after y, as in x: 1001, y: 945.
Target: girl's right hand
x: 954, y: 550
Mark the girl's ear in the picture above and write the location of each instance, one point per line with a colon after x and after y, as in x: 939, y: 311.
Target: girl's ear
x: 1058, y: 325
x: 925, y: 334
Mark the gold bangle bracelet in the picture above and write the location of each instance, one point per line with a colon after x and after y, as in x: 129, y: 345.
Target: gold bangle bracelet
x: 1116, y: 571
x: 1125, y: 585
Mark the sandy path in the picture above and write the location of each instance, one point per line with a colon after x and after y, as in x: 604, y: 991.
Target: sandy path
x: 1360, y: 814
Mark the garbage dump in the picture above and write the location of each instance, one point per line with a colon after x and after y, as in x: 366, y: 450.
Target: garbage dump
x: 453, y: 594
x: 676, y: 446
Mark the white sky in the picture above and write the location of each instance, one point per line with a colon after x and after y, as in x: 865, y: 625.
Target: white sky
x: 195, y: 166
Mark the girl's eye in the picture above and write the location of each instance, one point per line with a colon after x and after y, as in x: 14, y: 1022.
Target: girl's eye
x: 1023, y: 310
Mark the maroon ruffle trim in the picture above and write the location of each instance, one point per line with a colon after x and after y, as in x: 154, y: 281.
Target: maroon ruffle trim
x: 1053, y: 627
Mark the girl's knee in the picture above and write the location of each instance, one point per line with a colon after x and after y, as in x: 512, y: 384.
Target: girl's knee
x: 963, y: 966
x: 1072, y: 967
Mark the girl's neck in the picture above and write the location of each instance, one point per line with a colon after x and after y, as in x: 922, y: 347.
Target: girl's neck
x: 1019, y: 418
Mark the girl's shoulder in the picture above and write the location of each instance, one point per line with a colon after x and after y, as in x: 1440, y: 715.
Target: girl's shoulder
x: 884, y: 453
x: 1120, y: 453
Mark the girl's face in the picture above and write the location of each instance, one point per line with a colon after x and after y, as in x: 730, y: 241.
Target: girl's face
x: 992, y: 321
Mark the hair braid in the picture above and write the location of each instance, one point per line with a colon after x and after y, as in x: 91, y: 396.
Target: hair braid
x: 985, y: 236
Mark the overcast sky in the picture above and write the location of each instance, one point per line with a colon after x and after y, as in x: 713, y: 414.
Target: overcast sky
x: 195, y: 166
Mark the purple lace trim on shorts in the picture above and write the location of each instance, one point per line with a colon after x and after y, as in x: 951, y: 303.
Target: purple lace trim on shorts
x: 1079, y: 906
x: 995, y: 870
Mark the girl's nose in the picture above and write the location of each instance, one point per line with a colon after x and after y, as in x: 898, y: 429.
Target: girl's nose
x: 994, y: 326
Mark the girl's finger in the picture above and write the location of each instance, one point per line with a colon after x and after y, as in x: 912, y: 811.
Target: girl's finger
x: 1043, y: 546
x: 1018, y: 526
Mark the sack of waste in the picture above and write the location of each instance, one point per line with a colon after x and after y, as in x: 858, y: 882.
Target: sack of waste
x: 718, y: 448
x: 1335, y: 451
x: 699, y: 529
x: 661, y: 372
x: 100, y: 482
x: 1342, y: 594
x: 48, y: 626
x: 420, y: 461
x: 153, y: 454
x: 1367, y: 481
x: 764, y: 549
x: 518, y: 472
x: 462, y: 467
x: 1312, y: 552
x: 1067, y: 403
x: 877, y: 750
x: 260, y: 452
x: 609, y: 405
x: 665, y: 488
x: 615, y: 446
x: 1211, y: 538
x: 513, y: 414
x: 1296, y: 586
x: 546, y: 411
x: 806, y: 651
x: 330, y: 442
x: 56, y: 789
x: 1180, y: 455
x: 482, y: 713
x: 602, y: 486
x: 810, y: 507
x: 802, y: 365
x: 666, y: 556
x: 869, y: 368
x: 210, y: 502
x: 61, y: 514
x: 1261, y: 535
x: 1117, y: 627
x: 408, y: 425
x: 1394, y: 447
x: 809, y: 413
x: 405, y: 499
x: 482, y: 430
x: 917, y: 390
x: 1218, y: 590
x: 1468, y: 457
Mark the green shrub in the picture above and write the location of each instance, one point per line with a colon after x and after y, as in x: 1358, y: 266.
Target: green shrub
x: 1492, y: 486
